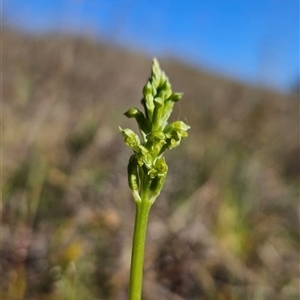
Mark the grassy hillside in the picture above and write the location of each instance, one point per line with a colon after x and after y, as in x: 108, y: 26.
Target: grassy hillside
x: 227, y: 223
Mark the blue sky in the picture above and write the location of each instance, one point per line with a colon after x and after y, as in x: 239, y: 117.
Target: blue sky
x: 255, y: 41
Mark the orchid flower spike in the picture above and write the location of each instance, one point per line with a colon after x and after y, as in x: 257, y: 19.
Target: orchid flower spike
x: 147, y: 168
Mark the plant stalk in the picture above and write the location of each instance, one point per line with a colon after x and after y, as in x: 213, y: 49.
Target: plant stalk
x: 138, y: 247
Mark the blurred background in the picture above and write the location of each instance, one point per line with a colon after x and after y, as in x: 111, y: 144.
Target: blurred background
x: 226, y: 225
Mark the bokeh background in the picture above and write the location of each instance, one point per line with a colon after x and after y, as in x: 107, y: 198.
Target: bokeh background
x: 226, y: 225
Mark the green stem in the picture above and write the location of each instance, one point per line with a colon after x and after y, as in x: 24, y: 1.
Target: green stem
x: 138, y: 246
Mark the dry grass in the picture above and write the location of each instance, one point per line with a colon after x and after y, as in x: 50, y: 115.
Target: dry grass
x: 227, y: 223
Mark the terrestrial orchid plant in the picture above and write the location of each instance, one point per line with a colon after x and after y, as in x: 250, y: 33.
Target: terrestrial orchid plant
x: 147, y: 168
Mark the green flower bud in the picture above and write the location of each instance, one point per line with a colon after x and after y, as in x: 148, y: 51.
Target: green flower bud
x: 147, y: 90
x: 133, y: 178
x: 156, y: 120
x: 140, y: 118
x: 156, y: 186
x: 149, y: 106
x: 158, y: 102
x: 166, y: 112
x: 165, y: 90
x: 156, y: 71
x: 176, y: 97
x: 163, y: 79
